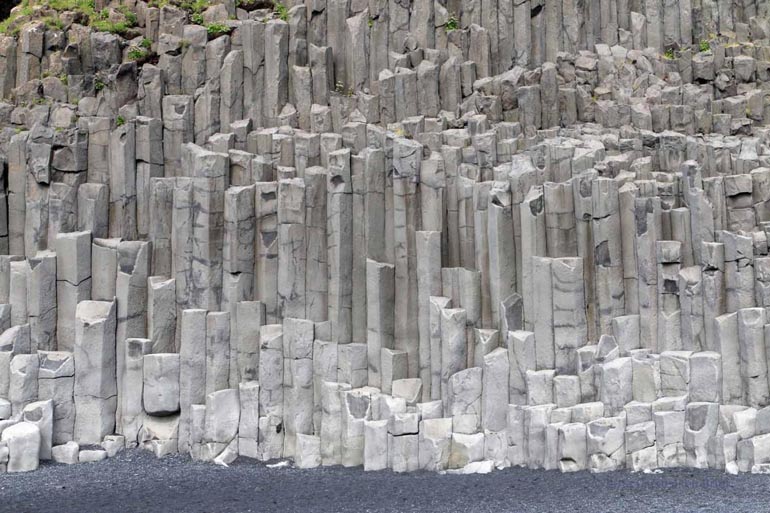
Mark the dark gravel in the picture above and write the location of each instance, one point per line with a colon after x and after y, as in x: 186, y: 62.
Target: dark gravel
x: 135, y: 481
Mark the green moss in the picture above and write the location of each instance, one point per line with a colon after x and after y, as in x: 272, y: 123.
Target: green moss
x: 84, y: 6
x: 452, y: 23
x: 129, y: 15
x: 53, y: 23
x: 158, y: 3
x: 669, y: 54
x: 217, y: 29
x: 281, y: 10
x: 137, y: 54
x: 23, y: 10
x: 146, y: 43
x: 194, y: 6
x: 704, y: 46
x: 119, y: 27
x: 98, y: 20
x: 120, y: 121
x: 28, y: 10
x: 101, y: 21
x: 99, y: 84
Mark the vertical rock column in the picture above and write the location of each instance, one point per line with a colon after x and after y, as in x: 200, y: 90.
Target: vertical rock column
x: 316, y: 268
x: 714, y: 301
x: 73, y: 283
x: 522, y: 177
x: 69, y: 163
x: 23, y: 381
x: 298, y: 382
x: 217, y: 351
x: 182, y: 241
x: 266, y: 262
x: 161, y: 314
x: 428, y: 254
x: 532, y: 244
x: 131, y: 407
x: 238, y: 253
x: 569, y: 318
x: 192, y: 372
x: 271, y: 373
x: 276, y: 87
x: 453, y: 347
x: 542, y: 301
x: 452, y: 156
x: 8, y: 49
x: 41, y: 301
x: 739, y: 271
x: 653, y: 10
x: 340, y: 245
x: 253, y: 38
x: 380, y: 300
x: 522, y: 32
x: 123, y: 193
x: 30, y: 51
x: 466, y: 220
x: 149, y: 165
x: 161, y: 211
x: 582, y: 192
x: 37, y: 181
x: 95, y: 389
x: 231, y: 90
x: 250, y: 316
x: 407, y: 158
x: 131, y: 294
x: 17, y: 179
x: 56, y: 381
x: 210, y: 173
x: 647, y: 215
x: 753, y: 359
x: 627, y: 205
x: 669, y: 310
x: 178, y: 128
x: 17, y: 296
x: 608, y: 254
x: 481, y: 246
x: 691, y: 305
x: 559, y: 219
x: 292, y: 248
x: 502, y: 255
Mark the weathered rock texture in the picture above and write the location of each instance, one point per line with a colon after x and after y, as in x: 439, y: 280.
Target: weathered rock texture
x: 406, y: 235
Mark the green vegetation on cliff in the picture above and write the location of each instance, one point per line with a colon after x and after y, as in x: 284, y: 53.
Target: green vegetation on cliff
x: 118, y: 19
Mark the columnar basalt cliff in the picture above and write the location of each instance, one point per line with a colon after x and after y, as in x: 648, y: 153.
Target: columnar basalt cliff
x: 405, y: 234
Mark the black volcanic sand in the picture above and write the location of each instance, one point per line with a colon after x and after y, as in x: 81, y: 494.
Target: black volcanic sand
x: 134, y: 481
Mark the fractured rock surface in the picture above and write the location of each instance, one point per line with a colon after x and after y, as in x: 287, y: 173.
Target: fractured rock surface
x: 408, y: 235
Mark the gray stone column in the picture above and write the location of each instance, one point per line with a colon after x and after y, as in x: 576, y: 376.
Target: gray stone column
x: 73, y: 275
x: 407, y: 158
x: 131, y: 294
x: 340, y: 245
x: 292, y: 248
x: 96, y: 388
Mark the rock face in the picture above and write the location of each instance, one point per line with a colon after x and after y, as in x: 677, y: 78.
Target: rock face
x: 398, y: 235
x: 22, y: 447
